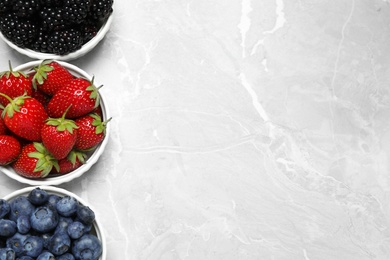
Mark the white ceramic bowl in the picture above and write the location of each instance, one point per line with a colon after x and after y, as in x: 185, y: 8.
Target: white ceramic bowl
x: 97, y: 226
x: 92, y: 157
x: 87, y: 47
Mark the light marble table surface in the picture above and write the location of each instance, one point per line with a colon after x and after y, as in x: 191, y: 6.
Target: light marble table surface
x: 242, y: 129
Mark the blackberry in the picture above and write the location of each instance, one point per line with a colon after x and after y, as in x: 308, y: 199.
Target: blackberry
x: 20, y: 31
x: 89, y: 30
x: 52, y: 19
x: 41, y: 41
x: 5, y: 6
x: 101, y: 9
x: 76, y: 11
x: 26, y: 8
x: 65, y: 41
x: 51, y: 3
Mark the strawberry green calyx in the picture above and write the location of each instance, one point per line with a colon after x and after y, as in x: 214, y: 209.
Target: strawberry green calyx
x: 99, y: 124
x: 94, y: 92
x: 75, y: 155
x: 13, y: 105
x: 45, y: 162
x: 62, y: 123
x: 41, y: 73
x: 12, y: 72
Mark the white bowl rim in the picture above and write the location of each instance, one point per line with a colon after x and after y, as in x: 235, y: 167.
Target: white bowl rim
x: 71, y: 56
x: 91, y: 160
x: 59, y: 191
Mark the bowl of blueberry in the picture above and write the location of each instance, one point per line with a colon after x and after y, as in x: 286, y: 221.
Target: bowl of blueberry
x: 54, y: 29
x: 46, y: 222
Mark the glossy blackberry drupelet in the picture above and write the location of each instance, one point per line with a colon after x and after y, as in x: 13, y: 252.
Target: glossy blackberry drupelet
x: 52, y: 26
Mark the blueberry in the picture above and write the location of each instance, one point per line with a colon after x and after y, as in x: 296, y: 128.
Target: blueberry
x: 4, y: 208
x: 38, y: 196
x: 7, y: 228
x: 59, y: 243
x: 63, y: 224
x: 23, y: 224
x: 33, y: 246
x: 20, y: 206
x: 87, y: 247
x: 66, y: 256
x: 44, y: 219
x: 67, y: 206
x: 76, y: 230
x: 7, y: 254
x: 53, y: 199
x: 25, y: 258
x: 16, y: 243
x: 85, y: 214
x: 46, y: 255
x: 46, y: 239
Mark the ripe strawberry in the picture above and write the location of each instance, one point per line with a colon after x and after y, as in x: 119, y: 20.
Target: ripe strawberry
x: 73, y: 161
x: 3, y: 127
x: 50, y: 76
x: 25, y: 117
x: 41, y: 97
x: 81, y: 94
x: 34, y: 161
x: 59, y: 136
x: 10, y: 149
x: 14, y: 84
x: 91, y: 131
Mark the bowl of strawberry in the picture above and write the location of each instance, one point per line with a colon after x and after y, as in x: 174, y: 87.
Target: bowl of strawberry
x: 46, y: 222
x: 54, y: 29
x: 54, y: 123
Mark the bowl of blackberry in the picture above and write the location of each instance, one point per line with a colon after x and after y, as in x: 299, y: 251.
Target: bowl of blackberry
x: 54, y: 29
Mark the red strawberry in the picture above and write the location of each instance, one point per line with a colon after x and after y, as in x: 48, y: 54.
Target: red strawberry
x: 50, y: 76
x: 41, y: 97
x: 59, y: 136
x: 14, y: 84
x: 81, y: 94
x: 10, y: 149
x: 73, y: 161
x: 25, y: 117
x: 91, y: 131
x: 3, y: 127
x: 34, y: 161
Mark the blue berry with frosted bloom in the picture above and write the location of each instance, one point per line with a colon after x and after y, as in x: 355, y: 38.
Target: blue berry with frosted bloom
x: 4, y: 208
x: 16, y: 243
x: 38, y: 196
x: 85, y: 214
x: 33, y: 246
x: 7, y: 254
x: 46, y: 255
x: 87, y: 247
x: 20, y: 206
x: 76, y: 230
x: 23, y: 224
x: 7, y: 228
x: 67, y: 206
x: 59, y: 243
x: 44, y: 219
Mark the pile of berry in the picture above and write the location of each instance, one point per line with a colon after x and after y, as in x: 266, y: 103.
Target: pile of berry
x: 52, y: 26
x: 50, y: 120
x: 41, y: 225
